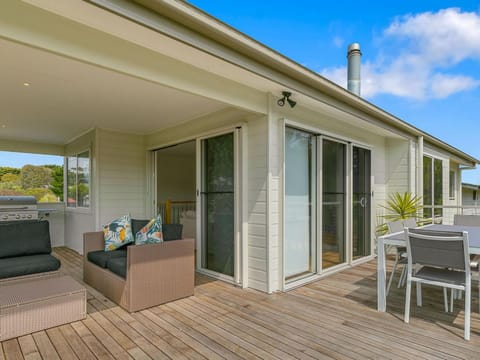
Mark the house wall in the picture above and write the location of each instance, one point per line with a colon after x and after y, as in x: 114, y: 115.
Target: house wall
x: 257, y: 205
x: 78, y: 221
x: 121, y: 160
x: 467, y: 197
x: 397, y: 165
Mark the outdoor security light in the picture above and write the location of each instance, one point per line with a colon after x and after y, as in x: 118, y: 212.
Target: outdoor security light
x: 286, y: 97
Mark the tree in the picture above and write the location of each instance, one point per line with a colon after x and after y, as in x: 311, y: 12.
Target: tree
x: 8, y: 170
x: 35, y: 176
x: 56, y: 185
x: 10, y: 178
x: 38, y: 192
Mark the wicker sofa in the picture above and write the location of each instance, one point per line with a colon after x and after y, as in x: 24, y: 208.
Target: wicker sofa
x: 153, y: 274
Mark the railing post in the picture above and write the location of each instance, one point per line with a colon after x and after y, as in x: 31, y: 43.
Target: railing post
x: 168, y: 209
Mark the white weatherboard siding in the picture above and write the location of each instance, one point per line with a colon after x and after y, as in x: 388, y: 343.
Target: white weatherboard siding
x: 397, y: 165
x: 467, y: 197
x: 121, y: 176
x: 257, y: 204
x: 78, y: 221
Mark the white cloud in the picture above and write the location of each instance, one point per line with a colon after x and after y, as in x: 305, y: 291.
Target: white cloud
x: 419, y: 56
x: 338, y: 41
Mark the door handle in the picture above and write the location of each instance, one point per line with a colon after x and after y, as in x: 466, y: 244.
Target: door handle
x: 363, y: 202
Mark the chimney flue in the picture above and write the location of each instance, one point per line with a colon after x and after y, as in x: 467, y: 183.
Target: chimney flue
x: 354, y: 56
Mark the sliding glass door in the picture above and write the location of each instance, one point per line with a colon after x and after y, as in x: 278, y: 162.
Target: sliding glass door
x: 361, y: 209
x: 218, y: 204
x: 327, y: 203
x: 300, y: 194
x: 333, y: 203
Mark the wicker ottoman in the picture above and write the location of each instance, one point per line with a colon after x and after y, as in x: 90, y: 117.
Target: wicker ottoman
x: 29, y: 306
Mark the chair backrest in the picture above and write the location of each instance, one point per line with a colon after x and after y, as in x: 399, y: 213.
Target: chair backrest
x: 438, y: 248
x: 410, y: 223
x: 466, y: 220
x: 395, y: 226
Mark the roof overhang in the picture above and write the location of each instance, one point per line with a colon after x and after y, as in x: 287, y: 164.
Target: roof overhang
x: 259, y: 59
x: 184, y: 33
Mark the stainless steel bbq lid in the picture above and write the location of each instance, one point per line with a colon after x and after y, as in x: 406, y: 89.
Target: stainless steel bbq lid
x: 15, y: 201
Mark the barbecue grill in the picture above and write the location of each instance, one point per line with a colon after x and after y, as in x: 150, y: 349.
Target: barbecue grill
x: 14, y: 208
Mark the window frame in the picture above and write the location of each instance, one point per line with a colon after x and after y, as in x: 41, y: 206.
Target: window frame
x: 452, y: 184
x: 434, y: 160
x: 76, y: 156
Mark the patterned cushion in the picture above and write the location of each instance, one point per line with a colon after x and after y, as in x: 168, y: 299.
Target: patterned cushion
x: 150, y: 233
x: 118, y: 233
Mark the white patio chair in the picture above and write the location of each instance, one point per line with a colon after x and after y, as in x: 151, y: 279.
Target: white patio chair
x: 468, y: 220
x: 410, y: 223
x: 400, y: 255
x: 444, y: 260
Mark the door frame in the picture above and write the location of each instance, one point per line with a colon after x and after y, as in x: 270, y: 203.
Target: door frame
x: 347, y: 212
x: 240, y: 205
x: 372, y: 212
x: 321, y: 134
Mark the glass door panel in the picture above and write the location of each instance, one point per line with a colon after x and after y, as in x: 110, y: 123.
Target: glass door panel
x: 333, y: 203
x: 361, y: 186
x: 217, y: 197
x: 300, y: 190
x: 427, y: 187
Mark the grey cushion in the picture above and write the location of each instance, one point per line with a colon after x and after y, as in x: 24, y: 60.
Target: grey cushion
x: 25, y: 265
x: 118, y: 266
x: 172, y: 231
x: 22, y: 238
x: 101, y: 257
x: 137, y: 225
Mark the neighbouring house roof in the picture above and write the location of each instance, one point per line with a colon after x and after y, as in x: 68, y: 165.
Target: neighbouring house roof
x: 273, y: 65
x: 470, y: 186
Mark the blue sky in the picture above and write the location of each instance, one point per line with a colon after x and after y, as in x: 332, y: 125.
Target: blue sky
x: 421, y: 59
x: 17, y: 160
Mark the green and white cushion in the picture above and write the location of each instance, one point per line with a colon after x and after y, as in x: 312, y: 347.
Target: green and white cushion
x: 150, y: 233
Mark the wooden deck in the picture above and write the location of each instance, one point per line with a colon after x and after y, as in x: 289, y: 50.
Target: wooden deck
x: 332, y: 318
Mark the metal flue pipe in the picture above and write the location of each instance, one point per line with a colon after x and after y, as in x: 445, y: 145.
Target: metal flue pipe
x: 354, y: 56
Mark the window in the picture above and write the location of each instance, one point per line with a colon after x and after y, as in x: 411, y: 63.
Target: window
x: 78, y: 180
x: 26, y: 174
x: 432, y: 187
x: 474, y: 194
x: 452, y: 185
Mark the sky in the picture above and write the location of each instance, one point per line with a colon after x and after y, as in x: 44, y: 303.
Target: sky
x: 420, y: 59
x: 17, y: 160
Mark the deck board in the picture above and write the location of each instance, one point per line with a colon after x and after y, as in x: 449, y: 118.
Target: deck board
x: 334, y: 318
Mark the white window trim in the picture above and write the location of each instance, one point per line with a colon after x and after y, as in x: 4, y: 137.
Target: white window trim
x: 78, y: 209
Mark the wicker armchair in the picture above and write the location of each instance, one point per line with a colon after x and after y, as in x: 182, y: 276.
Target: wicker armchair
x: 156, y: 273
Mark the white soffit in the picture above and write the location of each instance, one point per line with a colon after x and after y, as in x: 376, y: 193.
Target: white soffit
x: 67, y: 97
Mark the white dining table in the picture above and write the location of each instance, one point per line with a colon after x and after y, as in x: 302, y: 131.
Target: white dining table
x: 398, y: 239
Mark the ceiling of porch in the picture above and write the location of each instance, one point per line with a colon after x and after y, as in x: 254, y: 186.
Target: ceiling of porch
x: 49, y: 98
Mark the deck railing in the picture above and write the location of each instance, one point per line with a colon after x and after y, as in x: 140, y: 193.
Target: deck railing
x: 448, y: 212
x: 172, y: 210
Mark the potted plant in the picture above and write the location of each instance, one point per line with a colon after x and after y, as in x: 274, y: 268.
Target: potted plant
x: 400, y: 206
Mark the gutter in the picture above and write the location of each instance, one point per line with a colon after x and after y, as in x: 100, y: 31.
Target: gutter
x: 295, y: 76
